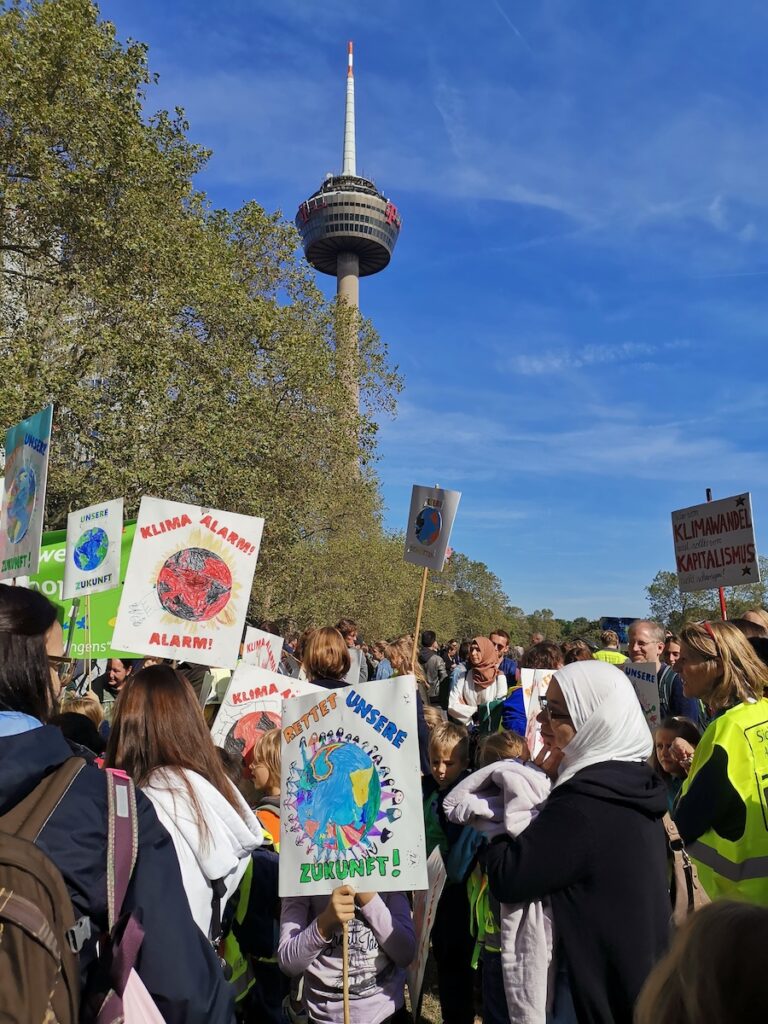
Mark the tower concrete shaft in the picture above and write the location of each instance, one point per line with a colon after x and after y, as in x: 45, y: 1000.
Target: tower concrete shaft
x: 347, y: 351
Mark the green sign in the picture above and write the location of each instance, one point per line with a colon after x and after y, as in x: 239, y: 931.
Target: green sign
x: 96, y: 641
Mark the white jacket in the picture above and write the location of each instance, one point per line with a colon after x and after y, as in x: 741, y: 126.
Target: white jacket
x: 223, y: 853
x: 464, y: 699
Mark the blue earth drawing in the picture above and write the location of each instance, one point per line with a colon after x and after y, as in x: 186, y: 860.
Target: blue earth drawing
x: 338, y: 796
x: 91, y: 549
x: 21, y: 503
x: 429, y: 522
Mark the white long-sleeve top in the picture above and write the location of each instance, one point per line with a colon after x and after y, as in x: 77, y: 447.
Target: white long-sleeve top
x: 464, y: 699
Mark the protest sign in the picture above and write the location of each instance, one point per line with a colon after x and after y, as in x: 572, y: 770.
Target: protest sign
x: 188, y: 583
x: 94, y: 537
x: 715, y: 544
x: 424, y: 910
x: 351, y: 808
x: 27, y: 448
x: 430, y: 521
x: 534, y: 682
x: 251, y: 706
x: 262, y: 649
x: 90, y: 639
x: 644, y: 679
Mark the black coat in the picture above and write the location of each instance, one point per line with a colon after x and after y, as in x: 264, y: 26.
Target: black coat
x: 598, y: 851
x: 176, y: 962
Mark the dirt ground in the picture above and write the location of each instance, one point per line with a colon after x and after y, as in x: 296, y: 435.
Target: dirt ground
x: 430, y: 1005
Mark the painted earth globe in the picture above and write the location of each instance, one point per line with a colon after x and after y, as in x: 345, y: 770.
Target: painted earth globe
x: 194, y: 584
x: 91, y: 549
x: 20, y: 503
x: 428, y: 525
x: 339, y: 796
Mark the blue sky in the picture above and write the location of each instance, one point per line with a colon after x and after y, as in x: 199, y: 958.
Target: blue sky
x: 578, y: 297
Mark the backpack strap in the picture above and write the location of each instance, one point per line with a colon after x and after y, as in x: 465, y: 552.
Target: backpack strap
x: 122, y: 840
x: 30, y: 816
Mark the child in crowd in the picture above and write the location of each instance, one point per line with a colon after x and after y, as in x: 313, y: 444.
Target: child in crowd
x: 668, y: 768
x: 452, y: 942
x: 265, y: 772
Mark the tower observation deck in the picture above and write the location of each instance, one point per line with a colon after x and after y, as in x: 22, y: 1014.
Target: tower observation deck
x: 348, y: 228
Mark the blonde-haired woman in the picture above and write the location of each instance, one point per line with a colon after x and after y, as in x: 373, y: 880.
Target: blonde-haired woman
x: 708, y: 976
x: 722, y: 814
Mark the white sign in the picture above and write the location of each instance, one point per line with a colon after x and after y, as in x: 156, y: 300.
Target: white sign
x: 534, y: 682
x: 188, y: 583
x: 251, y: 706
x: 351, y: 810
x: 94, y: 539
x: 715, y: 544
x: 430, y: 522
x: 424, y: 910
x: 27, y: 449
x: 645, y: 682
x: 262, y: 649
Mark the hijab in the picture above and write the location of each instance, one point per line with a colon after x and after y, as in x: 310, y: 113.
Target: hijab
x: 485, y: 673
x: 606, y: 714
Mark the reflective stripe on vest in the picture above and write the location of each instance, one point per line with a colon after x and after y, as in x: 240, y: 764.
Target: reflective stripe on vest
x: 737, y: 869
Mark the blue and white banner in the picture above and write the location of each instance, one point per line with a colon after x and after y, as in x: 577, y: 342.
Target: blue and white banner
x: 94, y: 538
x: 27, y: 448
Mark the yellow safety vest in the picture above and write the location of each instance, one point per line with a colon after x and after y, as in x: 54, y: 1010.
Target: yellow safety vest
x: 242, y: 978
x: 737, y: 870
x: 482, y: 922
x: 611, y: 657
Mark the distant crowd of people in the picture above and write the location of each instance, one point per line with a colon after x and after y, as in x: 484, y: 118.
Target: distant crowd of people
x: 580, y: 846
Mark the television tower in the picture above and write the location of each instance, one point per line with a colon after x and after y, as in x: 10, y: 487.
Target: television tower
x: 349, y: 230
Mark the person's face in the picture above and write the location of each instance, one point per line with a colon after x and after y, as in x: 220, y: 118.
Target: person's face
x: 642, y: 646
x: 475, y: 655
x: 700, y: 673
x: 501, y: 645
x: 452, y: 648
x: 446, y: 765
x: 117, y: 674
x: 664, y: 740
x: 259, y: 774
x: 671, y: 654
x: 351, y: 638
x: 556, y: 726
x: 537, y: 638
x: 54, y: 648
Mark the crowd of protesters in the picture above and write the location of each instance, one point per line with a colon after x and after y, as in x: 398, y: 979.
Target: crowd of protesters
x: 563, y: 895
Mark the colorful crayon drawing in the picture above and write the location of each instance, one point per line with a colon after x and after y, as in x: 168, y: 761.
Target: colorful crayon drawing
x: 91, y: 549
x: 194, y: 584
x: 247, y: 731
x: 428, y: 525
x: 22, y: 492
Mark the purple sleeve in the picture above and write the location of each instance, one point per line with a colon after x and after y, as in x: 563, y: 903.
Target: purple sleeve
x: 300, y: 940
x: 392, y: 925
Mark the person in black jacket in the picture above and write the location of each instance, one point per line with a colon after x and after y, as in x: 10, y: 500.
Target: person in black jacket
x: 176, y: 963
x: 597, y: 850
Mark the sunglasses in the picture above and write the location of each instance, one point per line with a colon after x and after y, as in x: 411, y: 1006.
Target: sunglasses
x: 544, y: 705
x: 499, y: 647
x: 63, y: 667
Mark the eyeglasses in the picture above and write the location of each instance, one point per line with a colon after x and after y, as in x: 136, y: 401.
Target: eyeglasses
x: 63, y: 667
x: 499, y: 647
x: 544, y: 705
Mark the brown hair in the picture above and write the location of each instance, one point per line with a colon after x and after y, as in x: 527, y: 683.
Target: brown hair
x: 433, y: 716
x: 82, y: 706
x: 749, y: 628
x: 325, y: 654
x: 760, y: 614
x: 576, y: 650
x: 450, y: 735
x: 158, y: 723
x: 609, y: 638
x: 400, y: 656
x: 346, y: 627
x: 501, y: 746
x: 267, y: 752
x: 543, y: 655
x: 709, y: 975
x: 685, y: 728
x: 743, y: 672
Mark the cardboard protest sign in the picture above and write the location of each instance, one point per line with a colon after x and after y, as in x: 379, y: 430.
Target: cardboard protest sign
x: 424, y: 910
x: 262, y: 649
x: 27, y: 448
x: 89, y: 639
x: 188, y: 583
x: 94, y: 538
x: 534, y: 682
x: 251, y: 706
x: 644, y: 679
x: 351, y: 791
x: 430, y: 522
x: 715, y: 544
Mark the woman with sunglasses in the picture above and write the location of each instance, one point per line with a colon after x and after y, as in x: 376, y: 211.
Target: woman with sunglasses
x: 177, y: 965
x: 597, y: 849
x: 722, y: 814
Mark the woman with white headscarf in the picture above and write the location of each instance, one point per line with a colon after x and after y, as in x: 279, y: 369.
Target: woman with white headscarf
x: 597, y: 850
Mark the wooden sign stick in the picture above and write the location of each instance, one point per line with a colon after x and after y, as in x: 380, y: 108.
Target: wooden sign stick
x: 345, y: 969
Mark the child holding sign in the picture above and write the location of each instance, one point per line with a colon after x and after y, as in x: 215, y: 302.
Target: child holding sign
x: 382, y: 944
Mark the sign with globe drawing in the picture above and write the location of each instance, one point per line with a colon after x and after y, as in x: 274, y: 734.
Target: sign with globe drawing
x: 94, y: 538
x: 27, y: 448
x: 430, y: 522
x: 188, y: 583
x: 351, y: 811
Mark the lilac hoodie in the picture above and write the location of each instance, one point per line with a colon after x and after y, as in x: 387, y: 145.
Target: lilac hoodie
x: 381, y: 945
